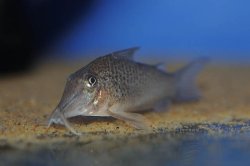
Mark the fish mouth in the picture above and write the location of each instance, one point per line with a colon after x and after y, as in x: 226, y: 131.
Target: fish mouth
x: 57, y: 117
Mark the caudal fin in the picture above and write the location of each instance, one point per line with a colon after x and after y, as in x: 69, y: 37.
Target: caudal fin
x: 186, y: 89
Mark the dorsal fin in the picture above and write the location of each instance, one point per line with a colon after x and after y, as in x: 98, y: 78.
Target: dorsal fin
x: 125, y: 54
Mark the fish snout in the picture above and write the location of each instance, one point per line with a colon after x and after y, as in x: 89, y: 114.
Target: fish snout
x: 55, y: 118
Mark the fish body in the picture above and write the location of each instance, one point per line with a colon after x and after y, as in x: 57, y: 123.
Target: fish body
x: 115, y: 85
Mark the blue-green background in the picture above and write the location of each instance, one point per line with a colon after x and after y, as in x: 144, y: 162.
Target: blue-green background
x: 218, y: 28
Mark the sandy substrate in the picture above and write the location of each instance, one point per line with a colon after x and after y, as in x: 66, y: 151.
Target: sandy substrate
x: 27, y: 100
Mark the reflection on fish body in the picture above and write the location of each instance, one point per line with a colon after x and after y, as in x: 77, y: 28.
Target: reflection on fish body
x: 115, y: 85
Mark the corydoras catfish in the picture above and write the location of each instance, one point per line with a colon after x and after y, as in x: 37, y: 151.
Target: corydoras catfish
x: 117, y: 86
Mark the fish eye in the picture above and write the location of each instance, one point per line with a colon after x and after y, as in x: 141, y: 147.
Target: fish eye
x: 91, y: 81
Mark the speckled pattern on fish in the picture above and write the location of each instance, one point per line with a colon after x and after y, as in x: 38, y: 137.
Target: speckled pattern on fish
x: 115, y: 85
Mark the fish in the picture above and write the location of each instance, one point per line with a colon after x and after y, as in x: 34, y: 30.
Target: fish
x: 115, y: 85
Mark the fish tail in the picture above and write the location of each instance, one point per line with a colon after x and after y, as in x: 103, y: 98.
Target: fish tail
x: 186, y: 89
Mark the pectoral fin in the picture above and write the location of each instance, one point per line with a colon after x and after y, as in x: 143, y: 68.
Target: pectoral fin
x: 134, y: 119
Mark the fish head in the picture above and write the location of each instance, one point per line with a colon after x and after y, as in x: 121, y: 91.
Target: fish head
x: 90, y: 90
x: 80, y: 95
